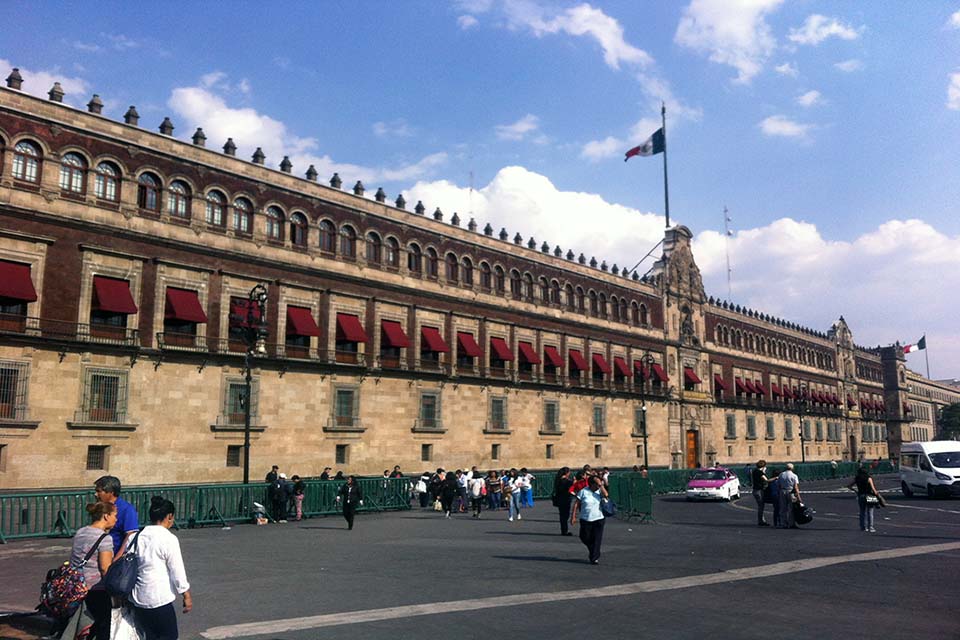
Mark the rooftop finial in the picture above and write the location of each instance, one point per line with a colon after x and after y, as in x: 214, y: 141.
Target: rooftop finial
x: 358, y: 188
x: 258, y: 156
x: 419, y: 209
x: 312, y: 173
x: 199, y: 138
x: 285, y: 165
x: 335, y: 181
x: 14, y: 80
x: 95, y: 105
x: 230, y: 147
x: 437, y: 214
x: 131, y: 116
x: 380, y: 195
x: 400, y: 202
x: 166, y: 127
x: 56, y: 93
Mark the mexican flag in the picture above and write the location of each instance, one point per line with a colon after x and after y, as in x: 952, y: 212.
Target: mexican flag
x: 921, y: 344
x: 653, y: 145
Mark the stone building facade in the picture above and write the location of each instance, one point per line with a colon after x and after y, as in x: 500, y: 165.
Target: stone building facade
x: 393, y: 337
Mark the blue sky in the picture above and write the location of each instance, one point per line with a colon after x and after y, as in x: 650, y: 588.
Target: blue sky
x: 828, y: 129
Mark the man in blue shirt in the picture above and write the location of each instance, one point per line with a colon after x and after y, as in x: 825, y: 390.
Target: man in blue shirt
x: 107, y: 489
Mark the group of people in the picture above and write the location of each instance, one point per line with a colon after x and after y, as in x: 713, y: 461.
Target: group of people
x: 459, y: 491
x: 285, y: 495
x: 783, y: 490
x: 113, y: 531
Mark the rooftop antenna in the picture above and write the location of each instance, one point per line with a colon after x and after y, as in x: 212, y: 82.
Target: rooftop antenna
x: 726, y: 241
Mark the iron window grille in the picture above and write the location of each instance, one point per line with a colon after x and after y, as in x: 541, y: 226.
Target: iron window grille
x: 234, y: 409
x: 97, y: 457
x: 14, y: 384
x: 104, y: 396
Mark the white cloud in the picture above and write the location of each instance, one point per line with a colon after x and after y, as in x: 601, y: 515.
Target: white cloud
x: 467, y: 21
x: 789, y: 270
x: 818, y: 28
x: 787, y: 69
x: 582, y: 20
x: 849, y: 66
x: 121, y: 42
x: 520, y: 129
x: 609, y: 147
x: 954, y: 21
x: 89, y: 47
x: 810, y: 99
x: 953, y: 92
x: 202, y: 107
x: 783, y: 127
x: 731, y: 33
x: 39, y: 82
x: 394, y: 129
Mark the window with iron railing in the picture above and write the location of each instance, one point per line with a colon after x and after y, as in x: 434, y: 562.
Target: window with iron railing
x: 234, y: 401
x: 787, y: 429
x: 430, y: 411
x: 771, y: 433
x: 751, y: 428
x: 498, y: 413
x: 97, y: 457
x: 14, y: 382
x: 731, y: 431
x: 551, y: 416
x: 104, y: 396
x: 599, y: 419
x: 346, y: 408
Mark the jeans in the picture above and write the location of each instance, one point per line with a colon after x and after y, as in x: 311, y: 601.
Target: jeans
x: 786, y: 510
x: 157, y: 624
x: 298, y: 502
x: 591, y: 535
x: 515, y: 505
x: 348, y: 511
x: 477, y: 504
x: 866, y: 513
x: 758, y: 496
x: 493, y: 501
x: 563, y: 504
x: 776, y: 508
x: 526, y: 497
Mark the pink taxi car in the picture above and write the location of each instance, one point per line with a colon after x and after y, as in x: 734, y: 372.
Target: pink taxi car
x: 715, y: 483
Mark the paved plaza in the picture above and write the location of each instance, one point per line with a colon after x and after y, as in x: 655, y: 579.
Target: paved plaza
x: 700, y: 570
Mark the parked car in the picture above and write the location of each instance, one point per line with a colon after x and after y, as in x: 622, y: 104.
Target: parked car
x: 715, y: 483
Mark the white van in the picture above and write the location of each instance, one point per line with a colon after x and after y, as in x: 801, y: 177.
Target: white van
x: 932, y: 468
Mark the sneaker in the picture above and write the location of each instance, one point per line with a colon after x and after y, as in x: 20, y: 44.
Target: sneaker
x: 510, y: 519
x: 282, y: 521
x: 447, y: 516
x: 519, y: 517
x: 872, y: 530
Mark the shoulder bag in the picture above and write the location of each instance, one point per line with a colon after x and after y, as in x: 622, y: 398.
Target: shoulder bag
x: 65, y: 587
x: 872, y: 500
x: 608, y: 508
x: 122, y: 574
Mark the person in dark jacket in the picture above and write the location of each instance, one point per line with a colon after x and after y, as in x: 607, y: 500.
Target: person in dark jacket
x: 449, y: 491
x: 350, y: 496
x: 279, y: 495
x: 561, y: 498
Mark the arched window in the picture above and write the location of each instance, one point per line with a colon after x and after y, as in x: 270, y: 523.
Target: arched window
x: 499, y: 280
x: 178, y: 200
x: 452, y: 268
x: 623, y: 311
x: 615, y: 308
x: 466, y: 271
x: 106, y: 186
x: 374, y: 248
x: 644, y: 317
x: 392, y: 253
x: 73, y: 173
x: 594, y: 304
x: 328, y: 235
x: 571, y: 299
x: 26, y: 162
x: 433, y: 268
x: 275, y: 220
x: 242, y: 216
x: 516, y: 288
x: 298, y: 230
x: 486, y: 277
x: 544, y: 290
x: 602, y: 305
x: 148, y: 192
x: 581, y: 300
x: 215, y: 206
x: 414, y: 258
x: 348, y: 242
x: 634, y: 313
x: 555, y: 293
x: 527, y: 287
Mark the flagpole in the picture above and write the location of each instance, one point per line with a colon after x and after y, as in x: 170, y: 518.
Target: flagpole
x: 925, y: 356
x: 666, y: 190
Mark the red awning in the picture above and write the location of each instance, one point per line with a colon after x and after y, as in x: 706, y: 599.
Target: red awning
x: 112, y: 295
x: 815, y: 396
x: 659, y: 373
x: 750, y: 386
x: 759, y: 387
x: 300, y: 322
x: 15, y: 282
x: 433, y: 340
x: 601, y: 363
x: 501, y: 349
x: 851, y: 402
x: 577, y: 358
x: 741, y: 387
x: 349, y: 328
x: 834, y: 399
x: 183, y: 304
x: 883, y: 406
x: 691, y: 376
x: 238, y: 312
x: 621, y: 366
x: 467, y: 346
x: 640, y: 369
x: 393, y: 335
x: 553, y: 356
x: 718, y: 381
x: 775, y: 388
x: 527, y: 353
x: 788, y: 392
x: 867, y: 403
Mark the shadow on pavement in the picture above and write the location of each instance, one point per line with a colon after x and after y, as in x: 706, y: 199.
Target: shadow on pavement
x: 541, y: 559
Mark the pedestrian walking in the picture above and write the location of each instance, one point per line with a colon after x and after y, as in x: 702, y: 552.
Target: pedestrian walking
x: 350, y: 496
x: 422, y: 489
x: 526, y: 480
x: 277, y: 492
x: 868, y: 498
x: 462, y: 491
x: 562, y: 497
x: 161, y: 575
x: 478, y: 490
x: 92, y: 553
x: 789, y: 486
x: 449, y: 490
x: 759, y: 480
x: 587, y: 506
x: 299, y: 487
x: 494, y: 488
x: 107, y: 489
x: 511, y: 490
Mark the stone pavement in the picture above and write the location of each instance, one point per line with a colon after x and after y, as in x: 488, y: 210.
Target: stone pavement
x: 702, y: 569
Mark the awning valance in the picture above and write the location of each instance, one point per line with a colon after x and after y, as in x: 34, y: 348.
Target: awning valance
x: 527, y: 353
x: 775, y: 388
x: 15, y: 282
x: 577, y: 359
x: 599, y: 362
x: 112, y: 295
x: 553, y: 356
x: 349, y: 328
x: 621, y: 366
x: 691, y: 376
x: 741, y: 387
x: 718, y: 382
x: 183, y: 304
x: 467, y: 346
x: 300, y: 322
x: 659, y: 373
x: 500, y: 349
x: 431, y: 340
x: 762, y: 390
x: 393, y: 335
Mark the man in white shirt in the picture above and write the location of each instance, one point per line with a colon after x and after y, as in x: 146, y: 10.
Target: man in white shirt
x: 789, y: 485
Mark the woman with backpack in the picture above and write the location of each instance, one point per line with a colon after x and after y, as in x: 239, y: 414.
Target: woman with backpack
x: 92, y: 552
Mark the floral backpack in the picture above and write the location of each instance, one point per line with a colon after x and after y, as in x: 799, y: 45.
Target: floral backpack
x: 65, y: 587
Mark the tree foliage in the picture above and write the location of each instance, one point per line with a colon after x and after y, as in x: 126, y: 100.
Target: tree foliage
x: 950, y: 421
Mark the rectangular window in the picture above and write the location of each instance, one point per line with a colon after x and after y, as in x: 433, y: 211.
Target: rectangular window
x: 495, y: 452
x: 787, y: 429
x: 751, y: 428
x: 599, y: 419
x: 598, y: 451
x: 729, y: 451
x: 551, y: 415
x: 429, y: 411
x: 806, y: 430
x: 3, y: 458
x: 498, y: 413
x: 771, y: 433
x: 235, y: 403
x: 819, y: 430
x: 426, y: 452
x: 104, y: 396
x: 639, y: 451
x: 234, y: 455
x: 731, y: 431
x: 97, y: 457
x: 13, y: 389
x: 549, y: 453
x: 345, y: 408
x: 639, y: 421
x: 342, y: 454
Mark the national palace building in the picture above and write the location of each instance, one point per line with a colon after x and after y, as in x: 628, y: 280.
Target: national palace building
x: 393, y: 335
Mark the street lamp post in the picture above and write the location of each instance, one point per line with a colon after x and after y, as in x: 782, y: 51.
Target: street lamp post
x: 254, y: 327
x: 645, y: 360
x: 801, y: 408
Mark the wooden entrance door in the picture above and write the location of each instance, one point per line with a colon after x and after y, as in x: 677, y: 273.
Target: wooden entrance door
x: 693, y: 449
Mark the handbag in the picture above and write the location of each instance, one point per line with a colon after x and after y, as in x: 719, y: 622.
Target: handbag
x: 437, y: 505
x: 122, y: 574
x: 872, y: 500
x: 122, y: 626
x: 608, y: 508
x: 65, y: 587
